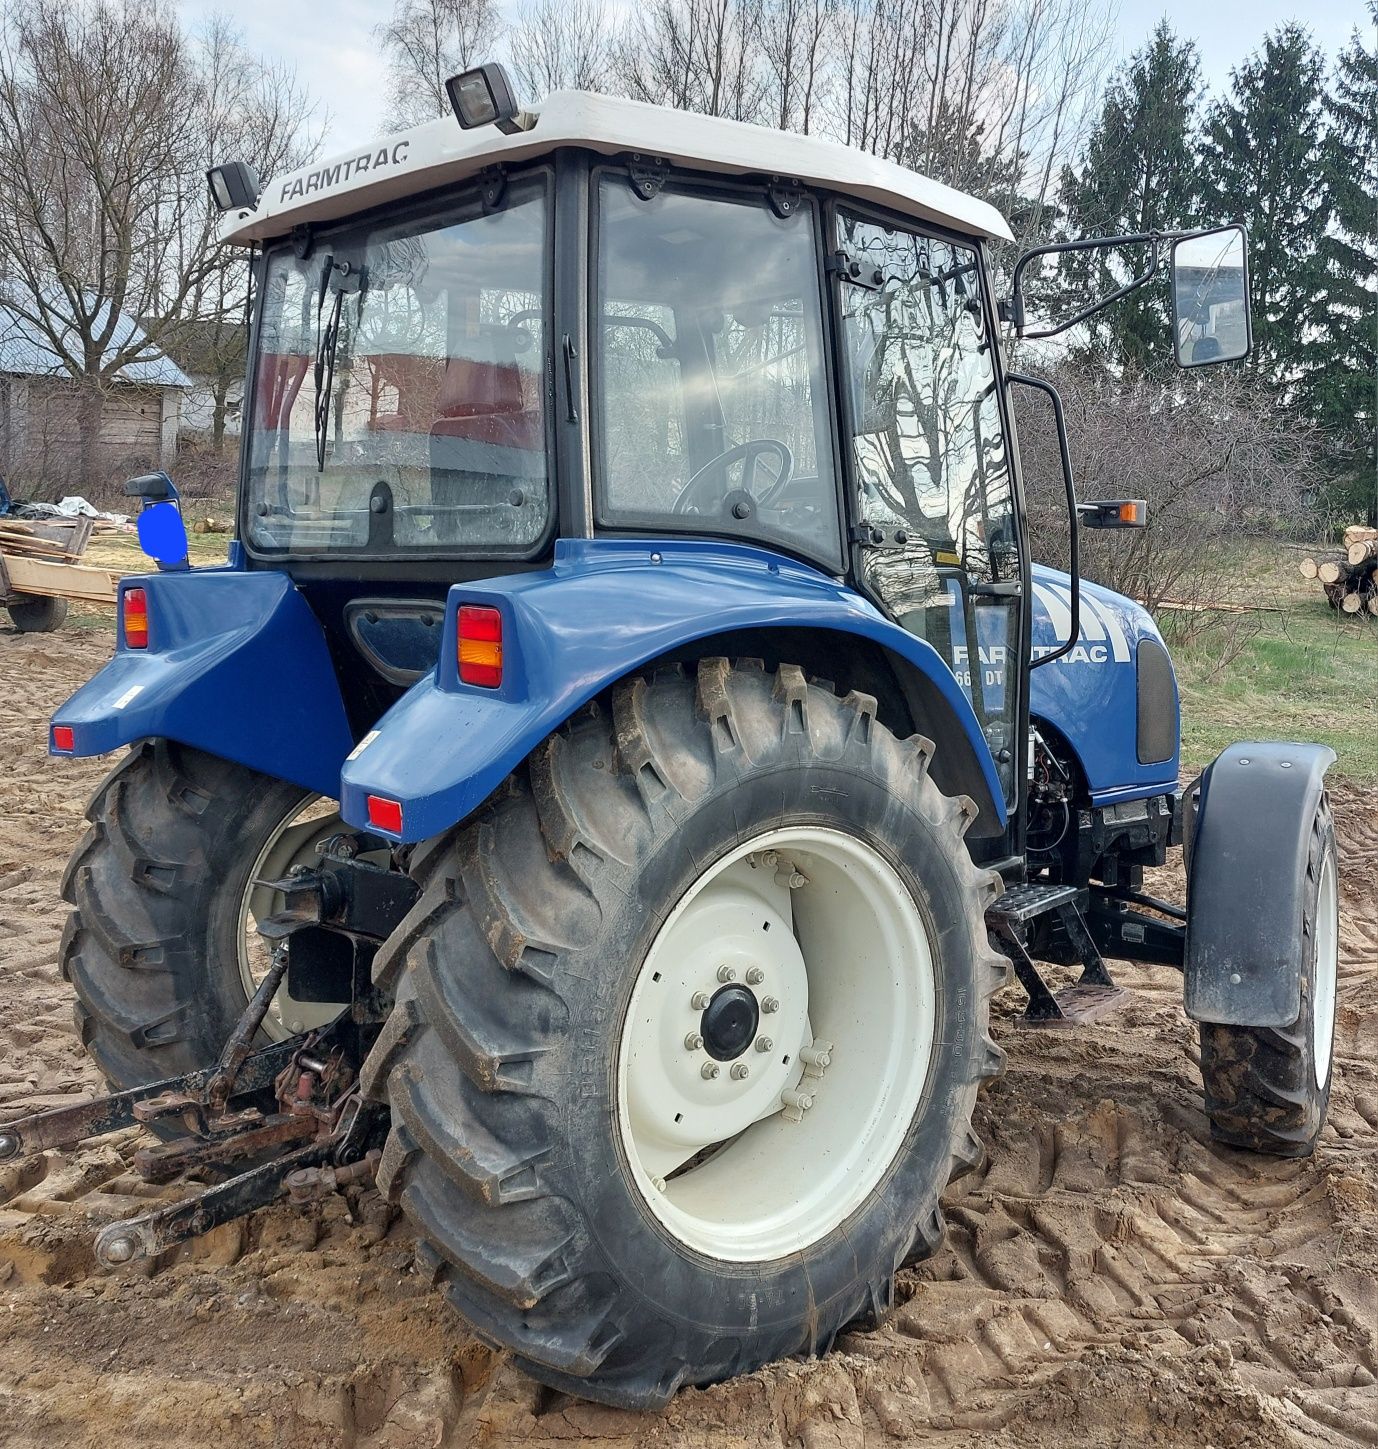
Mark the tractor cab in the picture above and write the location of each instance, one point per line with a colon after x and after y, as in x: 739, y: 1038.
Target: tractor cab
x: 604, y: 321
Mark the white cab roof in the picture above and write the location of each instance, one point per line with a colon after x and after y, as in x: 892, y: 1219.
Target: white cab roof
x: 439, y: 153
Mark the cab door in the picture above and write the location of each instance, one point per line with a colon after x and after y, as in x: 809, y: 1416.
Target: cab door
x: 935, y: 527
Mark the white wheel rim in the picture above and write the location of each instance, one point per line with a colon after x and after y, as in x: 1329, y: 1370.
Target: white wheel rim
x: 296, y: 840
x: 846, y: 954
x: 1327, y: 969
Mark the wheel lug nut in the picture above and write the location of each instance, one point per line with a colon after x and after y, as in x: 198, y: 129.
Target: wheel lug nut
x: 764, y: 1044
x: 726, y: 973
x: 755, y: 976
x: 740, y: 1070
x: 709, y: 1070
x: 699, y: 1000
x: 770, y: 1004
x: 693, y: 1041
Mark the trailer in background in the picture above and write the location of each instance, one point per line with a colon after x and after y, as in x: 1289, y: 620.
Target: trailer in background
x: 41, y: 572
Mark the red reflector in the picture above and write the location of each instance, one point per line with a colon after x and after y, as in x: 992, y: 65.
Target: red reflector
x: 385, y: 814
x: 134, y: 617
x: 64, y: 738
x: 480, y: 645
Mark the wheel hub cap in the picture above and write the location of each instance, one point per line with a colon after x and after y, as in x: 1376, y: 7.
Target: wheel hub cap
x: 776, y: 1044
x: 729, y: 1023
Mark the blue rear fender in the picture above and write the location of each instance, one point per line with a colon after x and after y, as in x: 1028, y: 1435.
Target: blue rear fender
x: 605, y: 609
x: 236, y: 665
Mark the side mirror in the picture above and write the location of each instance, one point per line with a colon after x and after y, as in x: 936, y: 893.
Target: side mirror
x: 1114, y: 513
x: 162, y: 531
x: 1210, y: 297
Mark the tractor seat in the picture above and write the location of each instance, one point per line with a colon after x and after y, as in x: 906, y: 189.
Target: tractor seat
x: 483, y: 401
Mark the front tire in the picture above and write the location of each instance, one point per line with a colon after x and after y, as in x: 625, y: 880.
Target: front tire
x: 544, y: 1075
x: 1267, y: 1089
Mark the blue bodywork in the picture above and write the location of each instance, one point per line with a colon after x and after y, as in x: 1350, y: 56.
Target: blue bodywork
x: 237, y: 665
x: 1090, y: 696
x: 605, y: 607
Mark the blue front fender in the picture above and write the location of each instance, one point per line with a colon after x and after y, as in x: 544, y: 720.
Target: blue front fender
x: 605, y: 608
x: 236, y: 664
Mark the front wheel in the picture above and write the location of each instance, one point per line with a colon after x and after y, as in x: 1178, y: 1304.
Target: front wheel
x: 689, y: 1028
x: 1268, y: 1088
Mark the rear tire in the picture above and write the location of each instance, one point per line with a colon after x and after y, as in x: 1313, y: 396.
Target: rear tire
x: 517, y: 978
x: 33, y: 614
x: 1267, y: 1089
x: 158, y: 882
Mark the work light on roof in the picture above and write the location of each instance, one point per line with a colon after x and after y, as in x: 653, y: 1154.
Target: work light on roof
x: 234, y: 186
x: 484, y: 97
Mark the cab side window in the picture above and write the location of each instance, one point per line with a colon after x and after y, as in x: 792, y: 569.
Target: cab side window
x: 930, y: 456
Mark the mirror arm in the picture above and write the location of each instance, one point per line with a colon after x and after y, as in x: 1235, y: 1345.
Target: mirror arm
x: 1074, y: 552
x: 1013, y: 310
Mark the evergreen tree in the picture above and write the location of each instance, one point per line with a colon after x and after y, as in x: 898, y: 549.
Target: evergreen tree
x: 1343, y: 395
x: 1261, y: 163
x: 1138, y: 173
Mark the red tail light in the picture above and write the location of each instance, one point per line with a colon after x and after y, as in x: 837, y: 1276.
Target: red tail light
x: 64, y: 738
x: 134, y: 618
x: 480, y: 645
x: 385, y: 814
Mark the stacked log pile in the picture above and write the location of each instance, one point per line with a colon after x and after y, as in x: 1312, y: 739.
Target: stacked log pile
x: 1350, y: 581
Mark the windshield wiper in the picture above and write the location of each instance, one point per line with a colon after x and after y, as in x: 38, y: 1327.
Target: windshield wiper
x: 339, y: 277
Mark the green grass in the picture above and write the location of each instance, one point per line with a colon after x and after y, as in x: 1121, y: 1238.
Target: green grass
x: 1309, y: 673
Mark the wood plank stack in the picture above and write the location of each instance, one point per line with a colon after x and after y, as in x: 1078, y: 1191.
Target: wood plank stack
x: 40, y: 559
x: 1350, y: 582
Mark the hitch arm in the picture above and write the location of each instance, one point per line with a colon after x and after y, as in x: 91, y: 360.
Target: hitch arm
x: 149, y: 1233
x: 64, y: 1126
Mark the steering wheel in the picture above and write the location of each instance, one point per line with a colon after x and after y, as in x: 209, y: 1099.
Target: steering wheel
x: 747, y: 454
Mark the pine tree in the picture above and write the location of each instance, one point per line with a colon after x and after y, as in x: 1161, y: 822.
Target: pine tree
x: 1261, y: 163
x: 1343, y: 396
x: 1137, y: 174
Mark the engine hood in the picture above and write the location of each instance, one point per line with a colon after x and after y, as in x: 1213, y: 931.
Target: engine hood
x: 1091, y: 696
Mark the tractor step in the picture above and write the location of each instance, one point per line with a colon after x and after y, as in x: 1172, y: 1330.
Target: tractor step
x: 1087, y: 999
x: 1078, y: 1004
x: 1023, y: 903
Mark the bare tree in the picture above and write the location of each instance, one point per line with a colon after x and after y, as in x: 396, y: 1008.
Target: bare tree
x: 563, y: 45
x: 698, y: 55
x: 881, y: 61
x: 986, y: 95
x: 1214, y: 457
x: 94, y: 128
x: 249, y: 111
x: 428, y: 41
x: 797, y: 40
x: 108, y: 119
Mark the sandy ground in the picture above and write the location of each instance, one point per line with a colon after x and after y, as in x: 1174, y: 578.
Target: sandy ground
x: 1109, y: 1279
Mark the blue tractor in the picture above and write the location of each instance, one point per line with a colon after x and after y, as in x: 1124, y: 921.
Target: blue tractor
x: 629, y: 744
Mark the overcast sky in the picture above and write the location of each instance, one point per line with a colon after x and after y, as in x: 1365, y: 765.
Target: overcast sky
x: 335, y: 55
